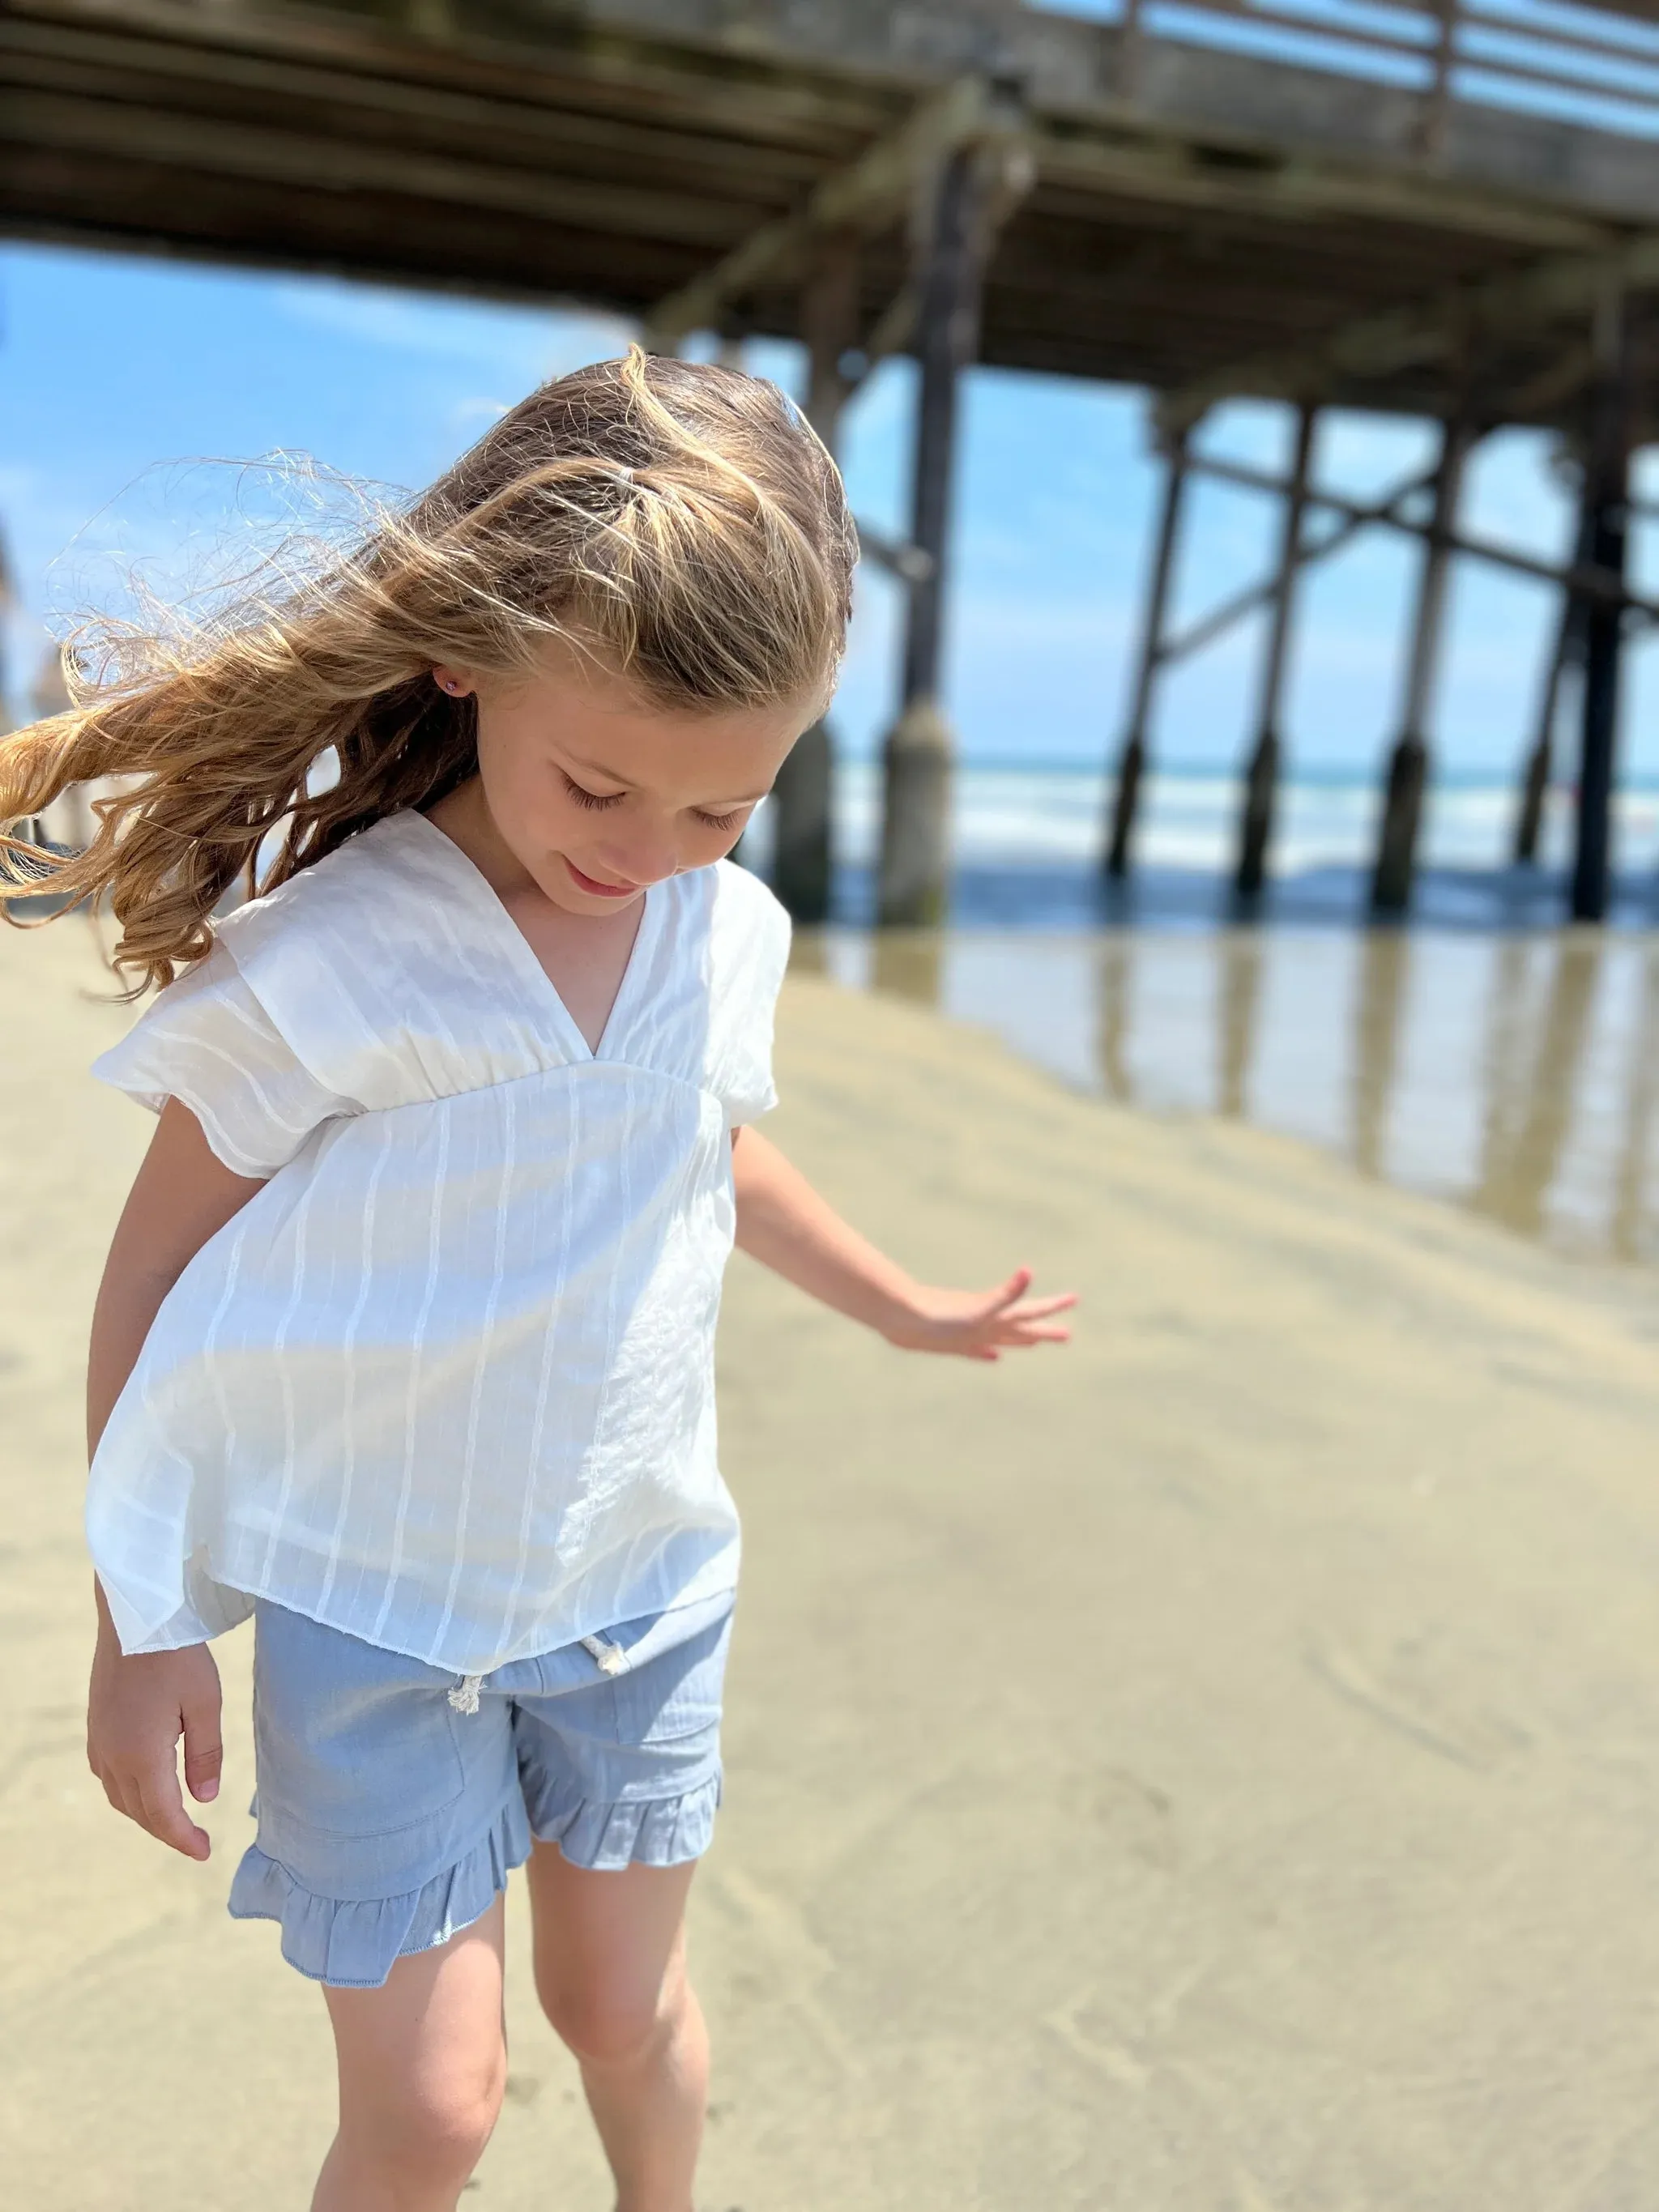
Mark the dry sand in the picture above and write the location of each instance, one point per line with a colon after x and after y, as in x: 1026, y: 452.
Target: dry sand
x: 1213, y: 1770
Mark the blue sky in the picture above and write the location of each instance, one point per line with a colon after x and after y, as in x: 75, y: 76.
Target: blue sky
x: 128, y: 386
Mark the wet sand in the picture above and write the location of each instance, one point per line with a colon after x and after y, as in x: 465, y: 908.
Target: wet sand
x: 1514, y: 1071
x: 1213, y: 1770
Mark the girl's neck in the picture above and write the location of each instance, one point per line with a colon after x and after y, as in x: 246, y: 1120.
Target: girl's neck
x: 464, y: 815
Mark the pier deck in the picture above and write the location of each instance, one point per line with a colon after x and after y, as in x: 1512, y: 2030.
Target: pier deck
x: 1200, y: 221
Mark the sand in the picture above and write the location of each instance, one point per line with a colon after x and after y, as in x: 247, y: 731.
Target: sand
x: 1214, y: 1769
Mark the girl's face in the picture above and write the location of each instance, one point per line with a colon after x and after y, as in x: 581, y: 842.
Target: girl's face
x: 597, y: 794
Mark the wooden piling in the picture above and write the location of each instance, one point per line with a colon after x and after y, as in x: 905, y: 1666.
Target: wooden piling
x: 916, y: 757
x: 1261, y: 781
x: 1535, y: 776
x: 1132, y: 757
x: 1605, y: 526
x: 1408, y: 764
x: 803, y: 854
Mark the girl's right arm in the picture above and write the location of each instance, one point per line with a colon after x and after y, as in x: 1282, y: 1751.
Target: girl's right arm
x: 138, y: 1708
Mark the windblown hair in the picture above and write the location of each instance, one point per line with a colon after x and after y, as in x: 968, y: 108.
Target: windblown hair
x: 680, y: 523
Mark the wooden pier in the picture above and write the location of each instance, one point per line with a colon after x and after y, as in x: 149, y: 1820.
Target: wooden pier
x: 1453, y: 217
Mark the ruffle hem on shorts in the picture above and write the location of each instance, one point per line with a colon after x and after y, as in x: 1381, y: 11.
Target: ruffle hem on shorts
x: 354, y: 1943
x: 607, y: 1836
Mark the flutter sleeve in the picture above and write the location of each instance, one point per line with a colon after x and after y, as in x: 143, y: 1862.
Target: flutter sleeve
x: 755, y: 955
x: 208, y: 1042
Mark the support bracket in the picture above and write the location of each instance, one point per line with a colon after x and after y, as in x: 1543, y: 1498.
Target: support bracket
x: 871, y: 194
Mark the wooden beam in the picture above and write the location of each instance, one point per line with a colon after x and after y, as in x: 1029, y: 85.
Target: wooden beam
x: 758, y: 98
x: 892, y: 330
x: 1408, y: 763
x: 1535, y: 776
x: 1178, y: 171
x: 1212, y: 626
x: 544, y: 116
x: 1422, y: 331
x: 803, y: 796
x: 914, y: 861
x: 1541, y: 394
x: 1261, y: 778
x: 1436, y: 110
x: 1132, y: 755
x: 830, y: 328
x: 289, y: 154
x: 1593, y: 582
x: 871, y: 192
x: 906, y: 563
x: 1605, y: 527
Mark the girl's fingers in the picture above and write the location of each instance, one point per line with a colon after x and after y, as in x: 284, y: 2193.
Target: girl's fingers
x: 1011, y: 1291
x: 162, y: 1810
x: 1012, y: 1302
x: 203, y: 1751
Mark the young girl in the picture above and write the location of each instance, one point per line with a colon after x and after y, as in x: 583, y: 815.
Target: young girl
x: 404, y: 1345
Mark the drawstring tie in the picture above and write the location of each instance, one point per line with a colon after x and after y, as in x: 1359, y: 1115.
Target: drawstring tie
x: 609, y: 1658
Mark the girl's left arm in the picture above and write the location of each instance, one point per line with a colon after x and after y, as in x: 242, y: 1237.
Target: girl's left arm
x: 784, y: 1224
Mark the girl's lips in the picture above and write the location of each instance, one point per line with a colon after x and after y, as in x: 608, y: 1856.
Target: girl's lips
x: 597, y: 889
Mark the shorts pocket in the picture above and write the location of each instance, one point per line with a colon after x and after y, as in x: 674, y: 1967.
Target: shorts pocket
x: 349, y: 1741
x: 675, y: 1699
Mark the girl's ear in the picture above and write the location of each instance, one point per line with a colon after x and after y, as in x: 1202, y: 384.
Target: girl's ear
x: 455, y: 681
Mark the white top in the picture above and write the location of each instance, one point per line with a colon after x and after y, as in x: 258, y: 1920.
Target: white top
x: 446, y: 1382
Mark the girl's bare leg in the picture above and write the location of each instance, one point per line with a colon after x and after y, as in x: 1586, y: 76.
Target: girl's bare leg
x: 422, y: 2064
x: 611, y: 1974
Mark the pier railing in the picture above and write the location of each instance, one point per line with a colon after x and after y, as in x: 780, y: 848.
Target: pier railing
x: 1598, y: 66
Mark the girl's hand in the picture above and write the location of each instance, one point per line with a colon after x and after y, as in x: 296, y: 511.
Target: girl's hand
x: 785, y: 1225
x: 979, y: 1324
x: 138, y: 1708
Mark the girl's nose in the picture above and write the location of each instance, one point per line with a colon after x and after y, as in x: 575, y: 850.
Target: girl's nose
x: 640, y: 860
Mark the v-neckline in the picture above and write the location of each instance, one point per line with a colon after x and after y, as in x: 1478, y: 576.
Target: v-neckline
x: 525, y: 953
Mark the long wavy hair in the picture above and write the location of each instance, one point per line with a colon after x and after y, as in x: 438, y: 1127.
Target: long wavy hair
x: 680, y: 522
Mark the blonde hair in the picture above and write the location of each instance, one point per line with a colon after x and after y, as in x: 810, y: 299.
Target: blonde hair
x: 680, y: 522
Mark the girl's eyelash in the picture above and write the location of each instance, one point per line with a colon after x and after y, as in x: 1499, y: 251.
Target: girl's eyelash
x: 596, y: 799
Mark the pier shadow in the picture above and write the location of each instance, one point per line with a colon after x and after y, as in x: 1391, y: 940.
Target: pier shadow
x: 1533, y: 1073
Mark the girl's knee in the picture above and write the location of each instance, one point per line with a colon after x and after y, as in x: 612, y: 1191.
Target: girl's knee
x: 608, y: 2025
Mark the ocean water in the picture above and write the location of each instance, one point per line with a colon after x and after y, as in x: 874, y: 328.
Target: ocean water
x: 1484, y: 1055
x: 1027, y: 841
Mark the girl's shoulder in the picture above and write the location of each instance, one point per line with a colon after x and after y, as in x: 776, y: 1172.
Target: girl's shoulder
x: 730, y: 938
x: 745, y: 916
x: 379, y: 868
x: 380, y: 966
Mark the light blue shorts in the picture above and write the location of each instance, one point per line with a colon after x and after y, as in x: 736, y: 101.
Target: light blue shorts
x: 393, y: 1799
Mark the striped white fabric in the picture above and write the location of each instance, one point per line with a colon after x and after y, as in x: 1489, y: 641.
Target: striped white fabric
x: 446, y: 1382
